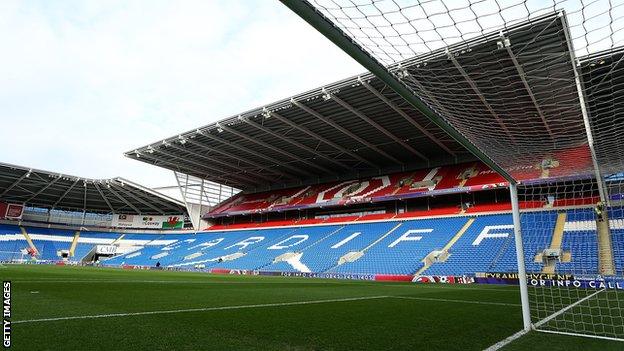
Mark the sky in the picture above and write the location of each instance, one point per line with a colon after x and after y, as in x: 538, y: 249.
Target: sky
x: 82, y: 82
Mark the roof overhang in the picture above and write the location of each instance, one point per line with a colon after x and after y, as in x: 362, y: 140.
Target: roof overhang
x: 38, y: 188
x: 360, y: 127
x: 353, y: 128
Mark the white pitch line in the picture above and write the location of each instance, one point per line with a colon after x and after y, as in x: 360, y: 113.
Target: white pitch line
x: 446, y: 286
x: 237, y: 307
x: 457, y: 301
x: 205, y: 309
x: 499, y: 345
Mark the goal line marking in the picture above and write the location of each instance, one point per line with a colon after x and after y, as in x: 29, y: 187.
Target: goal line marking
x: 499, y: 345
x: 457, y: 301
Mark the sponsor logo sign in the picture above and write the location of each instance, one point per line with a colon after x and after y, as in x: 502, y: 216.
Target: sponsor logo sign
x: 11, y: 211
x: 106, y: 249
x: 443, y: 279
x: 553, y: 280
x: 151, y: 222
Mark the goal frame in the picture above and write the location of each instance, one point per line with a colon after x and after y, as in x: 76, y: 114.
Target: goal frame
x: 326, y: 27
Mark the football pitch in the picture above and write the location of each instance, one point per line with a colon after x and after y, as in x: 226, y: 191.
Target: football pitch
x: 85, y: 308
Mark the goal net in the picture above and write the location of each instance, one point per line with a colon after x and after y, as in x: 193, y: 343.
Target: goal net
x: 573, y: 248
x: 535, y: 88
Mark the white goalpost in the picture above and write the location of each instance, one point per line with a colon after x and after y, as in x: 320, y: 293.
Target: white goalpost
x: 534, y: 89
x: 575, y: 257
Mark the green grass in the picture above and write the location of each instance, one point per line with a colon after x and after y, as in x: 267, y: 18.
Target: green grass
x: 407, y: 317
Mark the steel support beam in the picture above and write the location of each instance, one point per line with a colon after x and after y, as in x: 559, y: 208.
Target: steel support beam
x: 97, y: 187
x: 138, y: 193
x: 183, y: 194
x: 158, y: 196
x: 221, y: 173
x: 84, y: 203
x: 25, y: 175
x: 296, y: 143
x: 322, y: 139
x: 476, y: 90
x: 137, y: 198
x: 379, y: 127
x: 258, y: 166
x: 316, y: 19
x: 42, y: 189
x: 124, y: 200
x: 224, y: 164
x: 522, y: 74
x: 190, y: 169
x: 65, y: 193
x: 345, y: 131
x: 257, y: 154
x: 406, y: 117
x: 273, y: 148
x: 239, y: 157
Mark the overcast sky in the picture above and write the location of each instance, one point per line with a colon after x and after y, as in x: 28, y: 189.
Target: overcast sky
x: 81, y: 82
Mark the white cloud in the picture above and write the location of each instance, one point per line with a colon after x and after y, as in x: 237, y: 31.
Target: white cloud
x: 83, y: 81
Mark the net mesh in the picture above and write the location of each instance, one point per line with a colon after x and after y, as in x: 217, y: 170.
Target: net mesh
x: 516, y: 78
x: 537, y: 86
x: 574, y: 256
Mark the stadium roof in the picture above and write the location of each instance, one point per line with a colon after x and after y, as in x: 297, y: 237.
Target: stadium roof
x: 604, y: 84
x: 45, y: 189
x: 359, y: 126
x: 355, y: 127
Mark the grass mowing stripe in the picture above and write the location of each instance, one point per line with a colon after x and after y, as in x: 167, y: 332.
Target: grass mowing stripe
x: 457, y: 301
x: 204, y: 309
x: 279, y: 304
x: 294, y: 282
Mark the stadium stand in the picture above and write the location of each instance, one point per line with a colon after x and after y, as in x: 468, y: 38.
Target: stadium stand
x: 403, y: 250
x: 11, y: 243
x: 439, y: 245
x: 458, y: 178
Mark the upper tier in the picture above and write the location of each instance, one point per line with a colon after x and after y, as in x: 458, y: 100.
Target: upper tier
x: 465, y: 177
